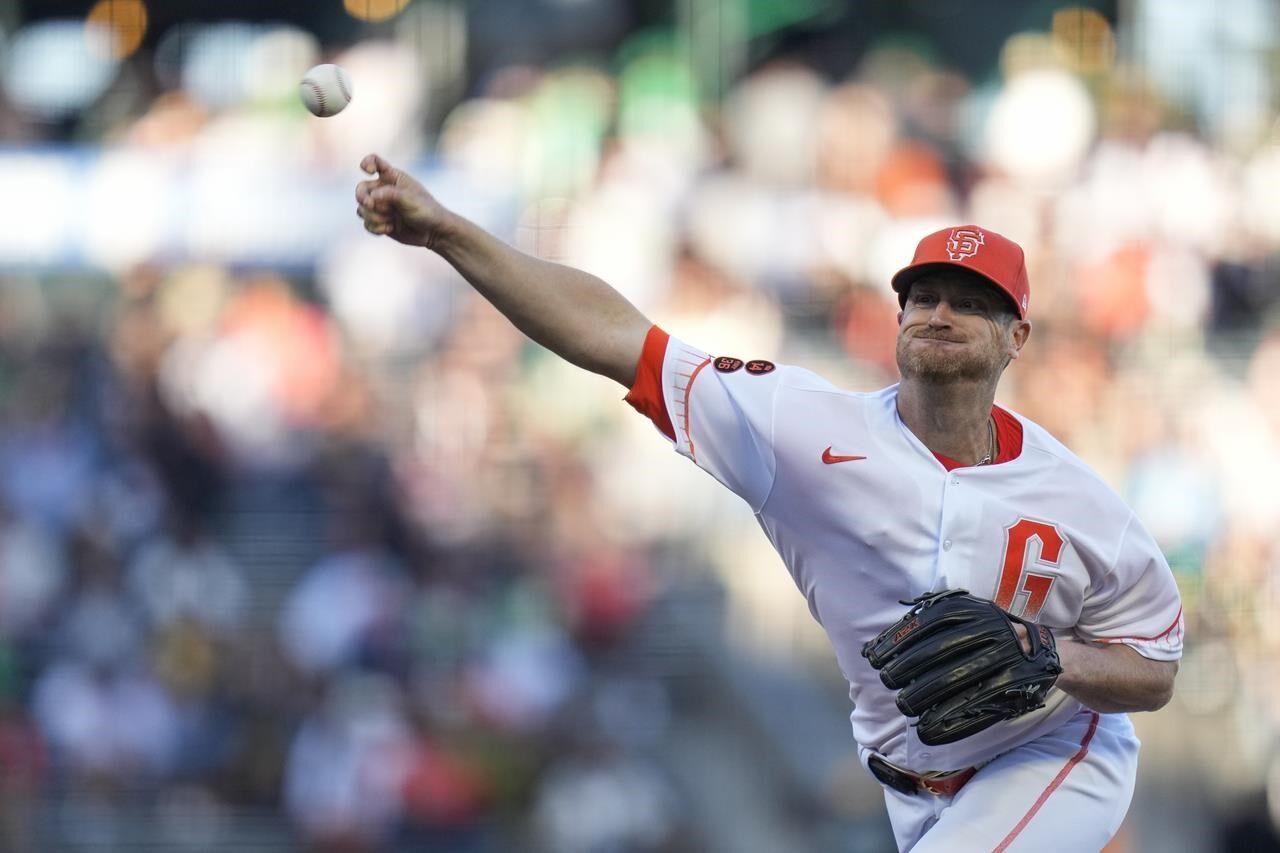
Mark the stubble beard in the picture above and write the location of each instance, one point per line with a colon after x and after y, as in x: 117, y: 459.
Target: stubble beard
x: 941, y: 365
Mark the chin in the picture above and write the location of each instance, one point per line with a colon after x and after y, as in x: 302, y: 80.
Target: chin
x: 937, y: 365
x: 937, y: 368
x: 933, y: 376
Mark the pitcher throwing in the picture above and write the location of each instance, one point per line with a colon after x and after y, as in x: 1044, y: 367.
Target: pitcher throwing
x: 994, y: 718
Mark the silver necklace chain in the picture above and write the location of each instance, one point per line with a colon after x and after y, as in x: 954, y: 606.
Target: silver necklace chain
x: 991, y: 443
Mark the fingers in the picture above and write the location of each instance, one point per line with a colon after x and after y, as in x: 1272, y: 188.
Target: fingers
x: 1023, y: 639
x: 376, y: 195
x: 377, y: 199
x: 373, y: 164
x: 374, y: 204
x: 373, y: 223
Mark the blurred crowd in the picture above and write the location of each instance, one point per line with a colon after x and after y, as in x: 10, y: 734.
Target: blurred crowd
x: 473, y: 532
x: 441, y: 673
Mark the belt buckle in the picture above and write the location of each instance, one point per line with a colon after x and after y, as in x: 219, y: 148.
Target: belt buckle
x: 891, y: 776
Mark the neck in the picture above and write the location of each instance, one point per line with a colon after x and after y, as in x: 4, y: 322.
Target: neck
x: 950, y: 418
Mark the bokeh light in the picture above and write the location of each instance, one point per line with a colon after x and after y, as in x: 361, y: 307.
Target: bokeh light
x: 56, y: 67
x: 276, y: 61
x: 1040, y: 126
x: 374, y: 10
x: 769, y: 124
x: 1084, y: 40
x: 1030, y: 51
x: 34, y: 229
x: 215, y: 66
x: 124, y: 20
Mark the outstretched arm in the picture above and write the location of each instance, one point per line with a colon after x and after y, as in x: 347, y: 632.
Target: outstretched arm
x: 572, y: 313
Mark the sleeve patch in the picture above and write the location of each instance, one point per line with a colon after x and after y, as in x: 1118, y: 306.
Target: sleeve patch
x: 759, y: 366
x: 727, y: 364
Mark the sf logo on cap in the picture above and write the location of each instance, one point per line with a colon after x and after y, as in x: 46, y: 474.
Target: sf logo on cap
x: 964, y: 243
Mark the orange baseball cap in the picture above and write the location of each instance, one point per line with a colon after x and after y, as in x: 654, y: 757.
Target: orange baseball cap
x: 993, y: 256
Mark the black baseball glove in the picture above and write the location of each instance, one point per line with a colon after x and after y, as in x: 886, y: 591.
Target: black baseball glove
x: 960, y: 666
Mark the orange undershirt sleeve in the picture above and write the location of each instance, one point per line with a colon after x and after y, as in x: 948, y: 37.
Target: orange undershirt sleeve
x: 645, y: 395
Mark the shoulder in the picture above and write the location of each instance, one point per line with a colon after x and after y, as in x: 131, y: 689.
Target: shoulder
x: 1071, y: 472
x: 758, y: 381
x: 802, y: 392
x: 758, y: 374
x: 802, y: 381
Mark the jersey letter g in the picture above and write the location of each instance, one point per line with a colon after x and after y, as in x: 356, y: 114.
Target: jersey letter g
x: 1015, y: 580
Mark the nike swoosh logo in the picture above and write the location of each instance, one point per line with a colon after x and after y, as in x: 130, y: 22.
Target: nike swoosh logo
x: 832, y: 458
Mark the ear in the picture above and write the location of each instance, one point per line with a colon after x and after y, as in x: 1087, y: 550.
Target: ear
x: 1018, y: 339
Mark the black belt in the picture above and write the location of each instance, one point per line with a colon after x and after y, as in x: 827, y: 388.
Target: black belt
x: 904, y: 781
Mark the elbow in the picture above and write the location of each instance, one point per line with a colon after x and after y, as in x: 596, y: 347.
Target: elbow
x: 1161, y: 697
x: 1162, y: 691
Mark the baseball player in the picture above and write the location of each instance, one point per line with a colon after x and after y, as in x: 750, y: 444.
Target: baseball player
x: 876, y: 500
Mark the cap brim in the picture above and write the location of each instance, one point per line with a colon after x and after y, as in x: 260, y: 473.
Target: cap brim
x: 905, y: 277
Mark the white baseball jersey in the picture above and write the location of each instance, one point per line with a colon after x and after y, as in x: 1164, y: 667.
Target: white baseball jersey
x: 865, y: 516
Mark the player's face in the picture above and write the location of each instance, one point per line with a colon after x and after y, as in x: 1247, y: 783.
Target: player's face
x: 956, y: 328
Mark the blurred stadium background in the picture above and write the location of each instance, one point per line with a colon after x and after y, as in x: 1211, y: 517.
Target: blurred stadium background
x: 301, y: 547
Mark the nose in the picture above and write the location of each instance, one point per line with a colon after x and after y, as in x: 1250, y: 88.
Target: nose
x: 941, y: 314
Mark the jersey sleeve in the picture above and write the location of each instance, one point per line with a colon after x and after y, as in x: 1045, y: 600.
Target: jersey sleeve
x: 1137, y: 602
x: 714, y: 410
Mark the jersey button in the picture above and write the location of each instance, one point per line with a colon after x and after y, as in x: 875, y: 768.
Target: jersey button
x: 955, y: 481
x: 946, y: 544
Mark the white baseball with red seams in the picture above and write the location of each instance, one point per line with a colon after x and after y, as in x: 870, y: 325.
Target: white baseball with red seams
x: 865, y: 516
x: 325, y: 90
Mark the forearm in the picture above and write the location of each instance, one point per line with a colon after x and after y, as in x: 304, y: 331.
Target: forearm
x: 1114, y: 678
x: 572, y: 313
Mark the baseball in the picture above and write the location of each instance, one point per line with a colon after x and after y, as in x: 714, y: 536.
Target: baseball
x: 325, y: 90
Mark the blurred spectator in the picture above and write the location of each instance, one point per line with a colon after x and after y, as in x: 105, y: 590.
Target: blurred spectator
x: 32, y: 574
x: 241, y: 368
x: 347, y: 766
x: 185, y: 575
x: 602, y: 800
x: 347, y: 607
